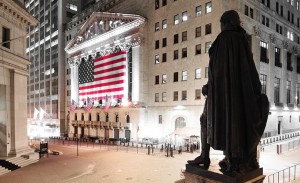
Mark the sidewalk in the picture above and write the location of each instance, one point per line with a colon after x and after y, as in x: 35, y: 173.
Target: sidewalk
x: 110, y: 166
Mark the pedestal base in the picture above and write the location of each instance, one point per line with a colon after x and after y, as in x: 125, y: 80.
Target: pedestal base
x: 194, y: 174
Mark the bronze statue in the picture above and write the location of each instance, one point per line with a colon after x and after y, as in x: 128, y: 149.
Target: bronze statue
x: 236, y: 112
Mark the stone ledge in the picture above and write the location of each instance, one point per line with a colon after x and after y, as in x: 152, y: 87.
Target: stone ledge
x: 194, y: 174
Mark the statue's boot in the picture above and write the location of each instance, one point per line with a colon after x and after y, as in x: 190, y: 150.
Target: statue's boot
x: 203, y: 161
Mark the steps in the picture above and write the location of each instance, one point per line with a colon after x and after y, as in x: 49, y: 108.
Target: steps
x: 14, y: 163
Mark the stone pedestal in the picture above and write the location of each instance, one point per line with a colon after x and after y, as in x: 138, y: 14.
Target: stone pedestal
x: 194, y: 174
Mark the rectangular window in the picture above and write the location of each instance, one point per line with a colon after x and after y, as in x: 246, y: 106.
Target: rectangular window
x: 197, y: 73
x: 156, y: 97
x: 198, y: 32
x: 277, y: 7
x: 164, y: 79
x: 198, y: 11
x: 156, y: 59
x: 184, y: 52
x: 208, y: 7
x: 184, y: 36
x: 208, y: 29
x: 176, y: 38
x: 263, y: 52
x: 184, y: 16
x: 276, y: 90
x: 251, y: 13
x: 263, y: 81
x: 184, y: 95
x: 175, y: 56
x: 156, y: 4
x: 164, y: 57
x: 184, y: 75
x: 176, y: 19
x: 164, y: 2
x: 207, y: 46
x: 6, y: 37
x: 175, y: 76
x: 159, y: 119
x: 289, y: 61
x: 206, y: 72
x: 246, y: 11
x: 175, y: 96
x: 277, y: 57
x: 156, y: 44
x: 197, y: 94
x: 157, y: 79
x: 156, y: 26
x: 288, y: 92
x: 298, y: 65
x: 164, y: 96
x: 297, y: 94
x: 164, y: 24
x: 164, y: 42
x: 281, y: 10
x: 198, y: 49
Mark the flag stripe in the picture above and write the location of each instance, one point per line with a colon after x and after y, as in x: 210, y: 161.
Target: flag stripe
x: 101, y: 88
x: 109, y: 63
x: 111, y: 55
x: 110, y: 69
x: 102, y: 84
x: 110, y: 76
x: 103, y: 91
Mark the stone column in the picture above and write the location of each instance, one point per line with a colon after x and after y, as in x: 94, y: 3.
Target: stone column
x: 136, y: 75
x: 271, y: 73
x: 294, y: 75
x: 283, y: 73
x: 74, y: 64
x: 256, y: 47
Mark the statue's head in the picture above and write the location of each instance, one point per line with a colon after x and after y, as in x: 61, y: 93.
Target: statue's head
x: 230, y: 18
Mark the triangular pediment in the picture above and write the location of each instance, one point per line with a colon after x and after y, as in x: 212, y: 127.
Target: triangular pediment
x: 101, y: 26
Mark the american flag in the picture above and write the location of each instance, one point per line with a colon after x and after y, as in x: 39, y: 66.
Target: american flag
x: 89, y: 104
x: 103, y: 76
x: 73, y: 106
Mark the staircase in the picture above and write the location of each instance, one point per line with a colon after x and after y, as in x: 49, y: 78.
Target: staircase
x: 14, y: 163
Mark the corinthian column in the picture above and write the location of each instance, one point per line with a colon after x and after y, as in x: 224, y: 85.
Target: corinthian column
x: 74, y: 64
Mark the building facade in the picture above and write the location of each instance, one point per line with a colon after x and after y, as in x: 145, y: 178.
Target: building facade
x: 168, y: 66
x: 14, y: 21
x: 45, y: 50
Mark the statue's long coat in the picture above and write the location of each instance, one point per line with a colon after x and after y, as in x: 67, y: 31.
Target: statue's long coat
x: 234, y: 91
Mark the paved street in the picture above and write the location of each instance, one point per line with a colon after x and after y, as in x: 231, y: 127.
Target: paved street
x: 99, y: 164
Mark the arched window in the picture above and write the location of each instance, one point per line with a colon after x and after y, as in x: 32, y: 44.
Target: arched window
x: 127, y: 118
x: 180, y: 123
x: 106, y: 117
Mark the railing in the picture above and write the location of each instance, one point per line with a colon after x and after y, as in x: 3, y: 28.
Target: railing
x: 285, y: 175
x: 278, y: 138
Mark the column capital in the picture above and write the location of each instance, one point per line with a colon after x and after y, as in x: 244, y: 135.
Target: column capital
x: 257, y: 31
x: 295, y: 49
x: 273, y: 38
x: 285, y: 44
x: 74, y: 62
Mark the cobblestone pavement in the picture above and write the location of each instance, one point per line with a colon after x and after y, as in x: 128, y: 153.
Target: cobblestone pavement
x: 117, y: 165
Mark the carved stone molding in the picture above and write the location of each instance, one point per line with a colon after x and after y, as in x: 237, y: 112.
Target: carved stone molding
x: 272, y: 38
x: 74, y: 62
x: 295, y: 49
x: 285, y: 44
x: 257, y: 31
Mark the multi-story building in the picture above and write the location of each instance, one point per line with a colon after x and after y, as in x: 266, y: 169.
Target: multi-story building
x: 166, y: 44
x: 46, y: 53
x: 14, y: 21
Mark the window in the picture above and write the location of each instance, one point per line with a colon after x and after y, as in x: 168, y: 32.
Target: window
x: 197, y: 73
x: 156, y: 26
x: 176, y: 19
x: 156, y: 44
x: 263, y: 52
x: 197, y: 94
x: 289, y: 61
x: 277, y: 57
x: 175, y: 56
x: 6, y: 37
x: 156, y: 59
x: 184, y: 52
x: 164, y: 42
x: 207, y: 46
x: 251, y: 13
x: 276, y: 90
x: 156, y: 97
x: 184, y: 95
x: 176, y: 38
x: 184, y: 75
x: 281, y: 10
x: 277, y: 7
x: 265, y: 21
x: 164, y: 96
x: 157, y: 79
x: 175, y: 96
x: 184, y: 36
x: 159, y: 119
x: 180, y: 123
x: 298, y: 65
x: 198, y: 49
x: 164, y: 2
x: 156, y: 4
x: 198, y: 32
x: 263, y: 81
x: 164, y: 24
x: 297, y: 94
x: 164, y: 57
x: 288, y: 92
x: 198, y: 11
x: 279, y: 28
x: 164, y: 79
x: 246, y: 11
x: 207, y: 29
x: 184, y: 16
x: 117, y: 117
x: 206, y: 72
x: 290, y: 35
x: 208, y: 7
x: 175, y: 76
